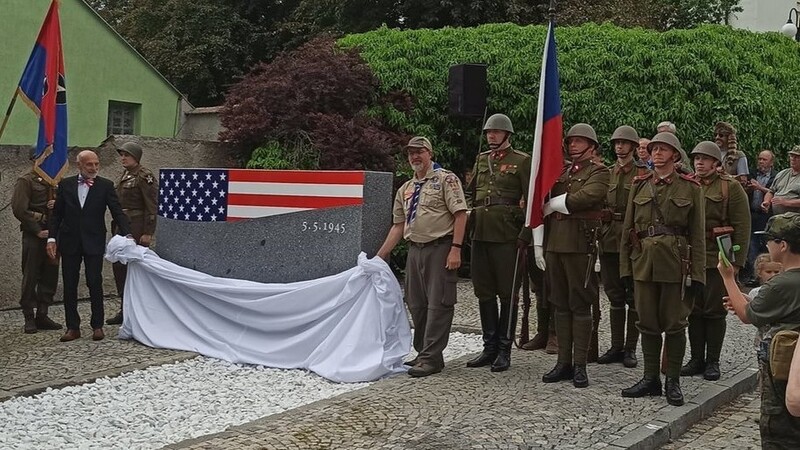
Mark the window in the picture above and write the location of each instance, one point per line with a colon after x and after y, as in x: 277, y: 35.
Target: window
x: 122, y: 117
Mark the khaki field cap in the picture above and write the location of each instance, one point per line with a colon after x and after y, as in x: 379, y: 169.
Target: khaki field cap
x: 133, y: 149
x: 499, y: 122
x: 708, y: 148
x: 625, y: 133
x: 585, y: 131
x: 785, y: 227
x: 668, y: 138
x: 420, y: 142
x: 795, y: 150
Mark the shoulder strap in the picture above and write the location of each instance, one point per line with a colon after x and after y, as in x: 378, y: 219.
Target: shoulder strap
x: 725, y: 195
x: 656, y: 205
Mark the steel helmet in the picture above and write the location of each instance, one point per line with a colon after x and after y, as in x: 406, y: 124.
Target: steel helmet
x: 708, y: 148
x: 133, y: 149
x: 625, y: 133
x: 583, y: 130
x: 668, y: 138
x: 499, y: 122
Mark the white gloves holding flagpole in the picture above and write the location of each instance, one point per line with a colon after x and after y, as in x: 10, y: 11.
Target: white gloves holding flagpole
x: 538, y: 249
x: 556, y: 204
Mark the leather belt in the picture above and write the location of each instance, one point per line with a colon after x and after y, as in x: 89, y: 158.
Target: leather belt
x: 661, y: 230
x: 442, y: 240
x: 492, y: 201
x: 608, y: 215
x: 587, y: 215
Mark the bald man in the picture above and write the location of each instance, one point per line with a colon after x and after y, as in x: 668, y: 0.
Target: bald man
x: 78, y: 232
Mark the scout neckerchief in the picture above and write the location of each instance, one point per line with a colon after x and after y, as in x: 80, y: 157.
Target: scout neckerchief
x: 412, y: 208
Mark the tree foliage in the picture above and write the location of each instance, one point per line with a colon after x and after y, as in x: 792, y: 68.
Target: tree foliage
x: 691, y: 13
x: 609, y: 76
x: 316, y: 97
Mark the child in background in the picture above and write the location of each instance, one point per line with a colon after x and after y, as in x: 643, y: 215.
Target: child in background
x: 765, y: 270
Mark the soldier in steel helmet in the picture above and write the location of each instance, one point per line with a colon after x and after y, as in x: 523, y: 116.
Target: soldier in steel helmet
x: 727, y: 212
x: 497, y: 192
x: 571, y: 230
x: 662, y: 254
x: 137, y: 190
x: 32, y: 203
x: 623, y: 338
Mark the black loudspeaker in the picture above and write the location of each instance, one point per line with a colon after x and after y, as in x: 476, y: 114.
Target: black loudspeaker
x: 466, y: 87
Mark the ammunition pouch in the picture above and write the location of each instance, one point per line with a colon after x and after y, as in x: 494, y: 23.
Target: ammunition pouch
x: 716, y: 232
x: 781, y: 350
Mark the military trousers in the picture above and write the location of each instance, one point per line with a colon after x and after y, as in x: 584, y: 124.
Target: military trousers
x: 778, y: 428
x: 709, y: 304
x: 545, y: 322
x: 618, y: 295
x: 121, y: 270
x: 661, y: 308
x: 430, y: 296
x: 39, y: 274
x: 493, y: 270
x: 566, y: 274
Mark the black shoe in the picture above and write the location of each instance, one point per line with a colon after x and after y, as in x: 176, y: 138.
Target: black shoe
x: 645, y: 387
x: 411, y: 363
x: 484, y: 359
x: 561, y: 371
x: 629, y: 360
x: 116, y: 320
x: 30, y: 325
x: 423, y: 370
x: 580, y: 379
x: 613, y: 355
x: 693, y: 367
x: 712, y: 371
x: 502, y: 362
x: 46, y: 323
x: 538, y: 342
x: 673, y: 391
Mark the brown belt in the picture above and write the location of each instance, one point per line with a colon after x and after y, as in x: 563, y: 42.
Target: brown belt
x: 608, y: 215
x: 492, y: 201
x: 661, y: 230
x: 588, y: 215
x: 442, y: 240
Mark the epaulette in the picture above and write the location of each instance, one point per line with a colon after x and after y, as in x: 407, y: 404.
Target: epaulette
x: 643, y: 177
x: 689, y: 178
x: 486, y: 152
x: 521, y: 153
x: 145, y: 171
x: 599, y: 164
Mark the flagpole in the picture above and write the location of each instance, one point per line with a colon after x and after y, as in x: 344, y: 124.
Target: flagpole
x: 551, y: 12
x: 8, y: 112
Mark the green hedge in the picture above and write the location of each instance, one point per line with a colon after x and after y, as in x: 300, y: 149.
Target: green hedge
x: 609, y: 76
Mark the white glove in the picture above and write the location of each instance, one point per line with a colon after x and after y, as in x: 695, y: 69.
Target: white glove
x: 556, y: 204
x: 538, y: 249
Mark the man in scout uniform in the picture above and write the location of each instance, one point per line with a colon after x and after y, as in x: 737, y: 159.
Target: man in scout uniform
x: 624, y: 141
x: 430, y: 213
x: 776, y: 308
x: 137, y: 190
x: 571, y: 229
x: 497, y: 191
x: 727, y: 212
x: 734, y: 161
x: 662, y: 254
x: 32, y: 203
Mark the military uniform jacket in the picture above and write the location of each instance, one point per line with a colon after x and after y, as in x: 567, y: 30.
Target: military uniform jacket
x: 662, y: 258
x: 738, y: 216
x: 138, y: 194
x: 29, y: 202
x: 500, y: 186
x: 441, y: 196
x: 586, y: 186
x: 619, y: 190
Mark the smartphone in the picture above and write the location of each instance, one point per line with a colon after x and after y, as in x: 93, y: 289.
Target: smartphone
x: 725, y: 244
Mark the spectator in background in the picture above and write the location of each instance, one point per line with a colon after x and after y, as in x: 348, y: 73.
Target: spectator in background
x: 734, y: 161
x: 643, y: 154
x: 757, y: 187
x: 784, y: 193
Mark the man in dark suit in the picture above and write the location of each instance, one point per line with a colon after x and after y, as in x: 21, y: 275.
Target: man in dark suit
x: 78, y: 232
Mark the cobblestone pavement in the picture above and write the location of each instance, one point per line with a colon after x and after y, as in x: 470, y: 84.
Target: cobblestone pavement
x: 474, y: 408
x: 30, y: 363
x: 733, y: 427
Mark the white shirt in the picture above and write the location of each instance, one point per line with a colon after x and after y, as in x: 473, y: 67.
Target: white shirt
x: 83, y: 192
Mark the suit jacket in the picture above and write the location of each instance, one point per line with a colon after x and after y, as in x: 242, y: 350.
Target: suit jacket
x: 83, y: 230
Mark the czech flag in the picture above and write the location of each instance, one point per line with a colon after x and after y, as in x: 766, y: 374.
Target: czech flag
x: 43, y: 89
x: 547, y: 159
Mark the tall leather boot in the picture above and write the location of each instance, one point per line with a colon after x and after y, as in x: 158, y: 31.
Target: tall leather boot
x: 539, y: 341
x: 715, y: 335
x: 43, y: 322
x: 614, y: 354
x: 552, y: 336
x: 650, y: 384
x: 582, y: 330
x: 489, y: 323
x: 697, y: 344
x: 676, y: 349
x: 508, y: 328
x: 30, y: 322
x: 563, y: 369
x: 631, y: 339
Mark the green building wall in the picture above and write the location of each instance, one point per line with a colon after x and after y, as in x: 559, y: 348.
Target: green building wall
x: 100, y: 67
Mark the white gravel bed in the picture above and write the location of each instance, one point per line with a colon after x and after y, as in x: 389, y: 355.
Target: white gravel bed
x: 158, y: 406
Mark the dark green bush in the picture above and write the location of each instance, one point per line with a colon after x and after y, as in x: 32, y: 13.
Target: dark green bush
x: 609, y: 76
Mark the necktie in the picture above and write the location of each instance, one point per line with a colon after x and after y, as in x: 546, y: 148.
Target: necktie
x: 87, y: 181
x: 412, y: 209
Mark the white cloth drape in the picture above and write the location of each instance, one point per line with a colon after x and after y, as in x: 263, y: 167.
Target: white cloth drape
x: 348, y: 327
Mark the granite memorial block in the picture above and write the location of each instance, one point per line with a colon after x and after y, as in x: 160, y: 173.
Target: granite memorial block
x: 271, y: 226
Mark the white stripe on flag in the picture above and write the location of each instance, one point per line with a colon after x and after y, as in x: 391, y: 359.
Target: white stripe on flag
x: 253, y: 212
x: 536, y: 154
x: 299, y: 189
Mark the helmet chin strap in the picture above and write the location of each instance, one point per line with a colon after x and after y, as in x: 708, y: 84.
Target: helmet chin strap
x: 502, y: 145
x: 580, y: 157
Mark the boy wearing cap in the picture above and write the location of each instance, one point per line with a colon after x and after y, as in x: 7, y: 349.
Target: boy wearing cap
x: 777, y: 308
x: 430, y: 213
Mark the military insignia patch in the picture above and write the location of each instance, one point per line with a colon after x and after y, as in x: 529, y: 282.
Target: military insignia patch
x: 150, y: 179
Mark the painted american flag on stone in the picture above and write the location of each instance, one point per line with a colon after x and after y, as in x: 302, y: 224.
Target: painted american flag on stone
x: 215, y: 195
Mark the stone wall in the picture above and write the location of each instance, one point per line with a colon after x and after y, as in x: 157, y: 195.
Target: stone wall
x: 201, y: 124
x: 158, y: 153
